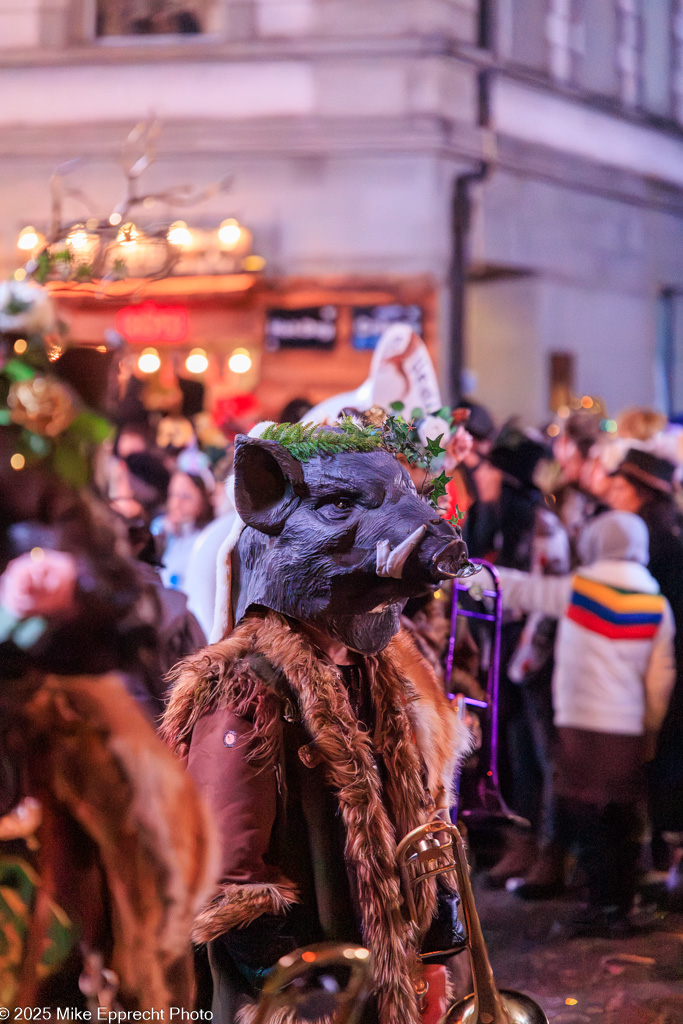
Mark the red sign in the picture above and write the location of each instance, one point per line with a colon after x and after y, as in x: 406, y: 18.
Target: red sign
x: 150, y: 324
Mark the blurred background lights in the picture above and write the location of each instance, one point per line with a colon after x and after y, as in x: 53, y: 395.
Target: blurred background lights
x: 128, y: 234
x: 149, y: 361
x: 28, y: 239
x: 37, y: 554
x: 197, y: 361
x: 20, y: 274
x: 610, y: 426
x: 553, y: 430
x: 587, y: 402
x: 253, y: 263
x: 239, y: 361
x: 229, y: 233
x: 115, y: 219
x: 17, y: 461
x: 20, y: 346
x: 77, y: 238
x: 179, y: 234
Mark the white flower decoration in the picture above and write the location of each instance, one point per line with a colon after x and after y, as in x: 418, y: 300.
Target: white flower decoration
x: 26, y: 307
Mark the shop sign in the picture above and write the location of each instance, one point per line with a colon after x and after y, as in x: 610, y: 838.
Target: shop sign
x: 368, y: 322
x: 151, y: 324
x: 315, y: 327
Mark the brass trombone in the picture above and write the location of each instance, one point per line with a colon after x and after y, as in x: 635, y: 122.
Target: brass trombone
x: 289, y: 986
x: 434, y: 849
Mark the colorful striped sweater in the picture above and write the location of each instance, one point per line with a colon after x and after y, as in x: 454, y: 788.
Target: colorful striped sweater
x: 614, y: 665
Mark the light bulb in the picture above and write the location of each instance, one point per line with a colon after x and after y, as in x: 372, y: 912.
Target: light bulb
x: 149, y: 361
x: 28, y: 239
x: 115, y: 219
x: 197, y: 362
x: 17, y: 461
x: 77, y: 237
x: 128, y: 234
x: 20, y: 346
x: 239, y: 361
x: 229, y: 233
x: 253, y: 264
x: 179, y: 235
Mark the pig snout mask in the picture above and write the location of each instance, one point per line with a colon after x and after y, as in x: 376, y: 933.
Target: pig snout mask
x: 339, y: 541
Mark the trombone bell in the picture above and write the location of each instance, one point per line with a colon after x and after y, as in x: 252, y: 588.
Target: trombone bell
x: 434, y: 849
x: 289, y: 988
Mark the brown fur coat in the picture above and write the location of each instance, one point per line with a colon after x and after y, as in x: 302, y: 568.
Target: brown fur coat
x: 125, y: 845
x: 416, y: 729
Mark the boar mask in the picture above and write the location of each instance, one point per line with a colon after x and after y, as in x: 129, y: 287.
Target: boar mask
x: 340, y: 541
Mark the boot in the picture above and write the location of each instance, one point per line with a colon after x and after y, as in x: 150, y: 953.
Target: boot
x: 521, y: 850
x: 546, y: 879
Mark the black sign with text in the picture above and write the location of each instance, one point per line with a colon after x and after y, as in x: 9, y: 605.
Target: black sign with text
x: 315, y: 327
x: 370, y: 321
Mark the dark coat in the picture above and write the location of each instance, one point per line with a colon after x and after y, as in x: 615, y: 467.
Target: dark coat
x: 666, y: 565
x: 308, y: 803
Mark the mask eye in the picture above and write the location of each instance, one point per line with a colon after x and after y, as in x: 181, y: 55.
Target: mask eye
x: 342, y: 503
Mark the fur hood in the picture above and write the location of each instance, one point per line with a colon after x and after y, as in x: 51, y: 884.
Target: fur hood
x: 414, y: 717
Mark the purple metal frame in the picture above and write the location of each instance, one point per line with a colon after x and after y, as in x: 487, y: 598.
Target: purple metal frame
x: 491, y: 797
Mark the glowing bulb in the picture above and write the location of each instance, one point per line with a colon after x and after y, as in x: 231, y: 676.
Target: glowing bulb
x: 28, y: 238
x: 229, y: 233
x: 179, y: 234
x: 570, y: 1002
x: 128, y: 234
x: 17, y: 461
x: 362, y: 954
x: 309, y: 956
x: 253, y: 264
x: 37, y: 554
x: 197, y: 362
x: 115, y: 219
x: 587, y: 402
x: 20, y: 274
x: 240, y: 361
x: 20, y: 346
x: 553, y: 430
x: 77, y: 237
x: 149, y: 361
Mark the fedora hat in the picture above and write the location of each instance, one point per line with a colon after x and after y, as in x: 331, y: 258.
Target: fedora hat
x: 647, y: 469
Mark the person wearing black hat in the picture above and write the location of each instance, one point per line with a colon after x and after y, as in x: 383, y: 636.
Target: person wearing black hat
x: 501, y: 527
x: 644, y: 484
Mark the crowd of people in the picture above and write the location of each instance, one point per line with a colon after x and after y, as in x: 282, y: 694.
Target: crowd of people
x: 584, y: 527
x: 582, y: 524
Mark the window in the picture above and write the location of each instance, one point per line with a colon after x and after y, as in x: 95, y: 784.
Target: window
x: 658, y: 38
x: 599, y: 66
x: 153, y: 17
x: 669, y: 358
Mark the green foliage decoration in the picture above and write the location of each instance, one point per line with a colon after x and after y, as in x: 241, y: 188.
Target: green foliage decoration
x: 396, y: 435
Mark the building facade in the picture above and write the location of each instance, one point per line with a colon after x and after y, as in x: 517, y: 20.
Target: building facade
x: 515, y: 166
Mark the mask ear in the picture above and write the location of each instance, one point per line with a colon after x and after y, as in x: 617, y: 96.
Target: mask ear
x: 268, y: 483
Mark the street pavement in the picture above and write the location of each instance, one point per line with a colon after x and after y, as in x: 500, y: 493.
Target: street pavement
x: 634, y: 980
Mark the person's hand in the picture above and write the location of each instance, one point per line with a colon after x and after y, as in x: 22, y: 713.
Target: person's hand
x: 44, y: 585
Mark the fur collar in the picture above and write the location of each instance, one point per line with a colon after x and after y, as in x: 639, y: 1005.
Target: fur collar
x: 411, y: 710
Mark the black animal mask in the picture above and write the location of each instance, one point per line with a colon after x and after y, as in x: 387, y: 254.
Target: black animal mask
x: 340, y: 541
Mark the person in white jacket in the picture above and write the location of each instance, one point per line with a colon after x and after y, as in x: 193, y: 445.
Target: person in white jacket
x: 614, y: 672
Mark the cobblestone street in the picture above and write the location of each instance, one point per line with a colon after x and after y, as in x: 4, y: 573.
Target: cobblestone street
x: 636, y: 980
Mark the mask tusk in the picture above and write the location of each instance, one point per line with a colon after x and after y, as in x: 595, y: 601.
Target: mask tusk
x: 391, y: 563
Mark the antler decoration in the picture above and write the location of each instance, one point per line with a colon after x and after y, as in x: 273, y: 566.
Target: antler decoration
x: 138, y: 154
